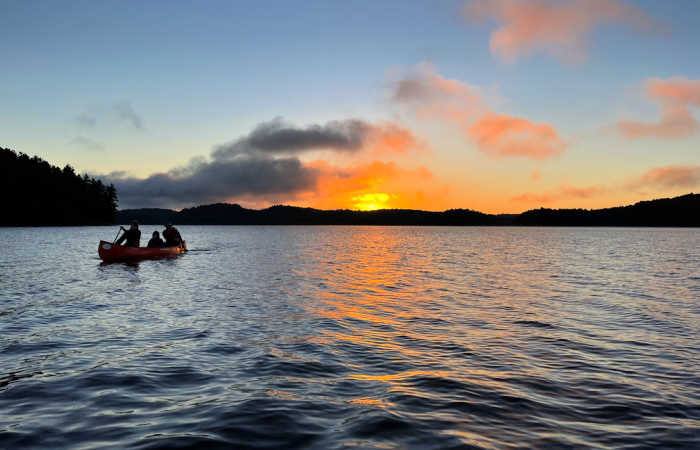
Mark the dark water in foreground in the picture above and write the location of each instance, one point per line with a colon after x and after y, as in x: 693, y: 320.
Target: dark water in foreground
x: 353, y: 337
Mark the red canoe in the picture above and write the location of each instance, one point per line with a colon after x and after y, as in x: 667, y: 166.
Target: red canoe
x: 111, y: 253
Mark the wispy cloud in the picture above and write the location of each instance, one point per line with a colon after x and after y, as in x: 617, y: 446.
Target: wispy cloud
x: 121, y: 112
x: 86, y: 143
x: 125, y: 112
x: 657, y: 179
x: 86, y: 120
x: 675, y: 96
x: 560, y: 28
x: 563, y: 192
x: 530, y: 197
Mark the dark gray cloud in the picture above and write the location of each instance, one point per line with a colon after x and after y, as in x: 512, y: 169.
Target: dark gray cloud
x: 215, y: 181
x: 278, y: 137
x: 86, y: 143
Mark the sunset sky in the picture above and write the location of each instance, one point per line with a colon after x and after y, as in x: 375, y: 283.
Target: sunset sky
x: 499, y: 106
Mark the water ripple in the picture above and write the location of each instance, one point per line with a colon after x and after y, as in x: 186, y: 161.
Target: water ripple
x: 342, y: 337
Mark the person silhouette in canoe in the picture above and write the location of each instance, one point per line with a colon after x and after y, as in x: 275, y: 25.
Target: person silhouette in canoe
x: 172, y: 236
x: 132, y: 236
x: 156, y: 241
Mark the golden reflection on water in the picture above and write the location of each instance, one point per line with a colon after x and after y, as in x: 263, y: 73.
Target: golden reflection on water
x: 480, y: 317
x: 421, y: 309
x: 398, y: 376
x: 368, y: 401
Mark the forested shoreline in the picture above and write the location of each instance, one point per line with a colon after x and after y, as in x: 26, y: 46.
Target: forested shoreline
x: 36, y: 193
x: 682, y: 211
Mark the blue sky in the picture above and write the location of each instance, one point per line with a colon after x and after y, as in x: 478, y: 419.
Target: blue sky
x: 200, y: 74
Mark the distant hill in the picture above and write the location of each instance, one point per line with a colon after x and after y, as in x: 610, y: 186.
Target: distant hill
x: 232, y: 214
x: 683, y: 211
x: 34, y: 192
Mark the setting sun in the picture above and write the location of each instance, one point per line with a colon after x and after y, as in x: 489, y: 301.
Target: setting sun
x: 370, y: 202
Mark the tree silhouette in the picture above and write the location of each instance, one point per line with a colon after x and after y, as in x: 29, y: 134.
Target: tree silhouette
x: 34, y: 192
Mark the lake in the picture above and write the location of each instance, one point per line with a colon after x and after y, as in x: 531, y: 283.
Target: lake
x: 353, y: 337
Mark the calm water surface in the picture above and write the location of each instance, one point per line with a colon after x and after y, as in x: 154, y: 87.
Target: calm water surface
x: 353, y: 337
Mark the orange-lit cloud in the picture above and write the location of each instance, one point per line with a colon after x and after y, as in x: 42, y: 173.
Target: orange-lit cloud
x: 498, y: 135
x: 529, y: 197
x: 562, y: 193
x: 675, y: 96
x: 391, y: 139
x: 656, y: 179
x: 424, y: 87
x: 559, y: 28
x: 676, y: 90
x: 501, y: 135
x: 670, y: 177
x: 585, y: 192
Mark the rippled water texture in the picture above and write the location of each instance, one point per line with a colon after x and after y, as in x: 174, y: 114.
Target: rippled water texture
x: 357, y: 337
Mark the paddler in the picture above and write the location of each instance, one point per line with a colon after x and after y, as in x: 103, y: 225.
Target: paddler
x: 172, y: 236
x: 156, y: 241
x: 132, y: 236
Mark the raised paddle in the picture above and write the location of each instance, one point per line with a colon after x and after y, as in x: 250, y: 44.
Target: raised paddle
x: 118, y: 233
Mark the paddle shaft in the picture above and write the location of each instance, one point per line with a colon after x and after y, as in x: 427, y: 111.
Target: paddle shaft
x: 115, y: 237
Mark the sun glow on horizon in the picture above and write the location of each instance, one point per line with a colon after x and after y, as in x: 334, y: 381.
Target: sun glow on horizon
x: 371, y: 202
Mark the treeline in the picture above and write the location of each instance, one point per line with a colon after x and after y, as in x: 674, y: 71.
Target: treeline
x: 222, y: 214
x: 232, y: 214
x: 683, y: 211
x: 34, y: 192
